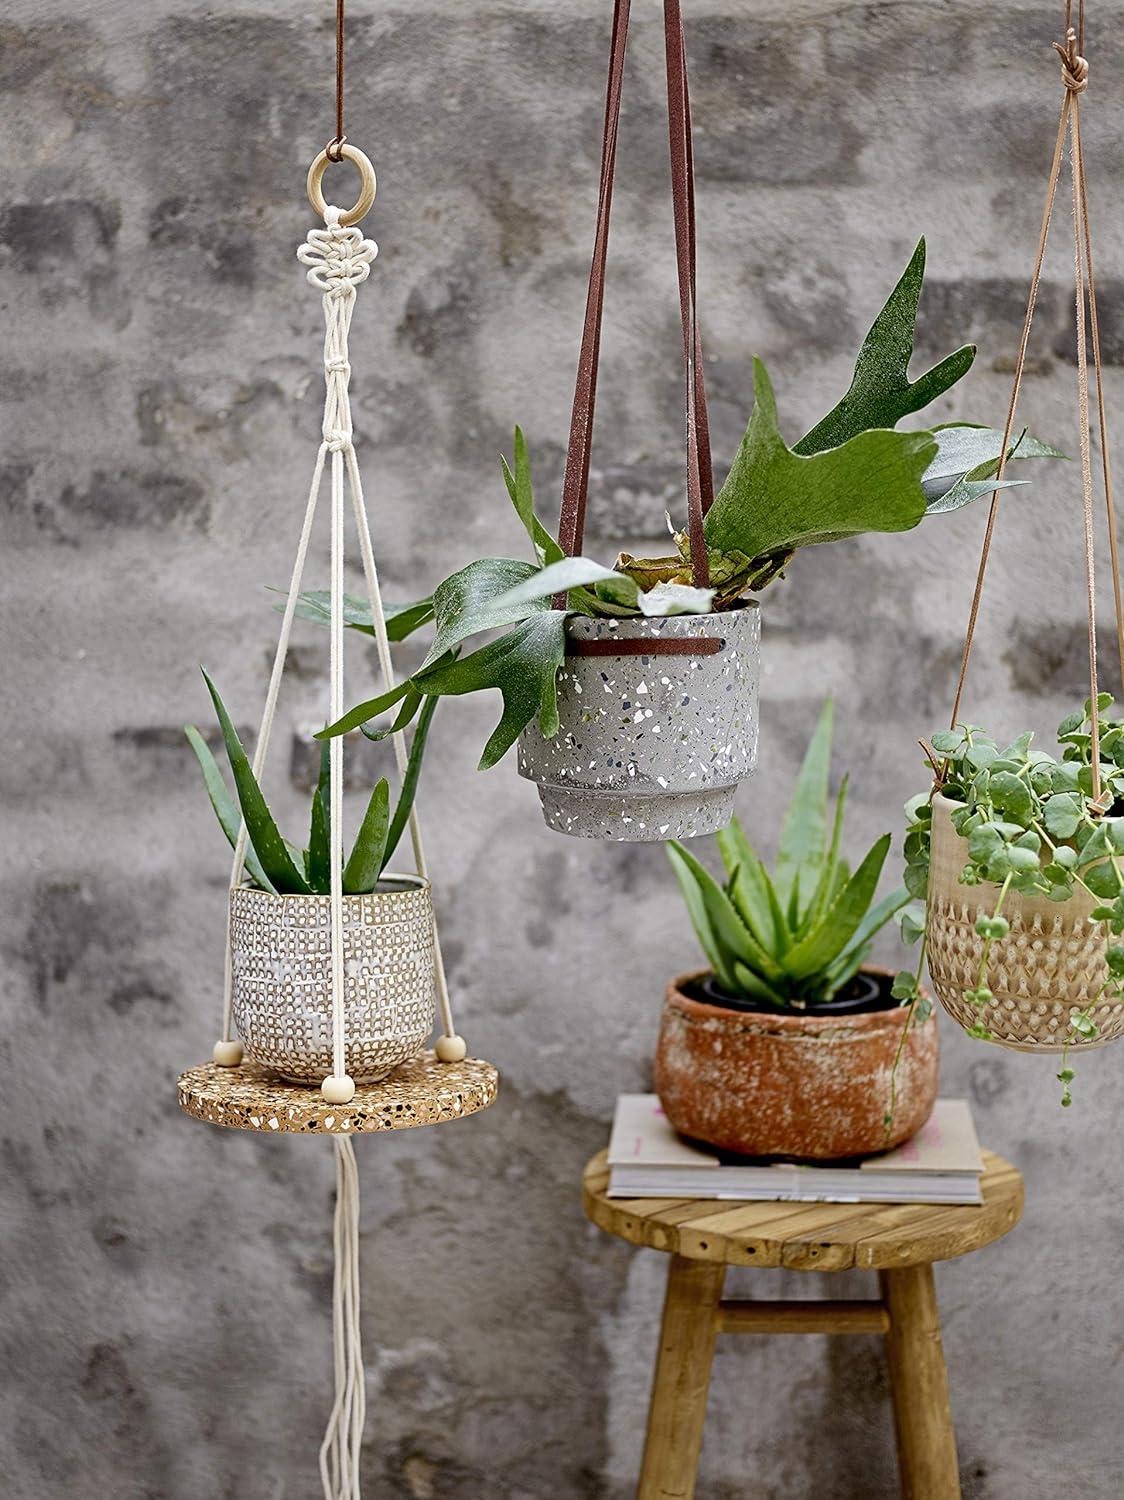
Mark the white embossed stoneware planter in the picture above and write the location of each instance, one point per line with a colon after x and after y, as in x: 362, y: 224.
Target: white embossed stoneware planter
x: 1050, y: 964
x: 281, y: 960
x: 650, y: 746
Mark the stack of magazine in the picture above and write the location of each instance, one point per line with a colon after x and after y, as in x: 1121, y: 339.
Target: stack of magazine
x: 647, y: 1159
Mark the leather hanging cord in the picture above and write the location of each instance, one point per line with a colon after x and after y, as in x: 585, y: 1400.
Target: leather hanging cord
x: 1075, y: 78
x: 575, y: 487
x: 700, y: 476
x: 575, y: 484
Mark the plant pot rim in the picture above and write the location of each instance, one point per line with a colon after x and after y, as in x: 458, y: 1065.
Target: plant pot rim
x: 411, y: 882
x: 653, y: 624
x: 793, y: 1023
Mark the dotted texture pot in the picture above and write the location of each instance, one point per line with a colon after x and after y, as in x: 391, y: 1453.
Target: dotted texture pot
x: 1051, y: 963
x: 281, y: 955
x: 781, y: 1084
x: 650, y: 747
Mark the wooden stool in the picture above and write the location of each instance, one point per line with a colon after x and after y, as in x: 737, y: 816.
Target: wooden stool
x: 900, y: 1242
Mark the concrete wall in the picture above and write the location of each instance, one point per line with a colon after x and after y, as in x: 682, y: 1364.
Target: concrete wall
x: 165, y: 1287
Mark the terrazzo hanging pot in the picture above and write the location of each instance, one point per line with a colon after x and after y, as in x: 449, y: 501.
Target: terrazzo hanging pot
x: 649, y: 746
x: 1050, y: 964
x: 281, y: 962
x: 811, y: 1085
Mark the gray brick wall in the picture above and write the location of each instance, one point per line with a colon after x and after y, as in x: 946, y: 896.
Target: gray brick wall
x: 165, y: 1319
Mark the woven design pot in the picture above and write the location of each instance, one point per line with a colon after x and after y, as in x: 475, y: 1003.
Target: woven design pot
x: 781, y: 1084
x: 1050, y: 964
x: 650, y: 747
x: 281, y: 955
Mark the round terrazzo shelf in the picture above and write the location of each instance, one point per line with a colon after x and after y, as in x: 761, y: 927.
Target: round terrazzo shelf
x: 422, y: 1091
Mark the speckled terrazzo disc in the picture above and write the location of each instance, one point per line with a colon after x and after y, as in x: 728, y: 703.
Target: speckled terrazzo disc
x: 650, y: 747
x: 422, y: 1091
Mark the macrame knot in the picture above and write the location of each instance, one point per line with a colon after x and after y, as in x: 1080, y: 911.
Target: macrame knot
x: 337, y: 441
x: 338, y: 257
x: 1075, y: 69
x: 339, y: 364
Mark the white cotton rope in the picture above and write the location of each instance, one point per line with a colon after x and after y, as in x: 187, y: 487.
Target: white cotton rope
x: 339, y: 260
x: 340, y: 1450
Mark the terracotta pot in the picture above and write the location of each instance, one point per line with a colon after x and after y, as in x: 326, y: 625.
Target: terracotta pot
x: 1051, y: 963
x: 649, y: 747
x: 782, y: 1084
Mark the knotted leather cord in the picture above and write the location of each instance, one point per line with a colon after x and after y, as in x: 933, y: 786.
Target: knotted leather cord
x: 1075, y: 80
x: 700, y: 484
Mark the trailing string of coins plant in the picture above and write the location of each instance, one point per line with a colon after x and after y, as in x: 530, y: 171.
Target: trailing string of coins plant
x: 1029, y: 824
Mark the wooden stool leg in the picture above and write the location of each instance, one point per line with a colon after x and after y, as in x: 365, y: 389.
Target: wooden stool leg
x: 678, y: 1406
x: 919, y: 1380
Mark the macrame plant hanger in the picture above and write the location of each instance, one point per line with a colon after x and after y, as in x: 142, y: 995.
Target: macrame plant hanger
x: 1051, y: 968
x: 1075, y: 81
x: 437, y: 1086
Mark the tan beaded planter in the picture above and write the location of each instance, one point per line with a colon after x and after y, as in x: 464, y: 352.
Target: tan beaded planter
x: 281, y: 956
x: 780, y: 1084
x: 1050, y: 964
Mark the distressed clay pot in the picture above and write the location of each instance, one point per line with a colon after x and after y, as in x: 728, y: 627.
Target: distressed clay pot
x: 650, y: 747
x: 781, y: 1084
x: 1051, y: 963
x: 281, y: 959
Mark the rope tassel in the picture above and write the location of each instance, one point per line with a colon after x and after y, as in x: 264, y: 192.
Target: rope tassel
x: 340, y: 1450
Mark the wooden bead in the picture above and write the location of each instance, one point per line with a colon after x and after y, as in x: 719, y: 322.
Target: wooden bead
x: 338, y: 1089
x: 450, y: 1049
x: 227, y: 1054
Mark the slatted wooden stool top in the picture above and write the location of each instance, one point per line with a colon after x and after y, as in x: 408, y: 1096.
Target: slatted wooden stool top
x: 809, y: 1236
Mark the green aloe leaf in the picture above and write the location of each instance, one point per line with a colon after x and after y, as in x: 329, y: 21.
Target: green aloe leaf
x: 524, y: 666
x: 830, y: 868
x: 881, y: 392
x: 270, y: 847
x: 751, y: 889
x: 730, y: 930
x: 842, y: 919
x: 716, y: 956
x: 522, y: 494
x: 226, y: 809
x: 409, y: 787
x: 872, y: 923
x: 752, y: 984
x: 775, y: 500
x: 365, y: 861
x: 319, y: 864
x: 804, y: 830
x: 319, y: 833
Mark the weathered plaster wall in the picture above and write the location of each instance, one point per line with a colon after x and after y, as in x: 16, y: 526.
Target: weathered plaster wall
x: 165, y: 1322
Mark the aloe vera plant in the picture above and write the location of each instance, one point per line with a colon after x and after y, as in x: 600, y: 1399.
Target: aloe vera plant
x: 853, y: 472
x: 800, y: 934
x: 272, y: 863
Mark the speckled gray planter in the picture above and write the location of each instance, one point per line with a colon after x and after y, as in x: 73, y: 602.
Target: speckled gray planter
x: 650, y: 747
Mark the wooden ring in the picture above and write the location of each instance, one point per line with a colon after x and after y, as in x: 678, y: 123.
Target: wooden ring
x: 366, y: 181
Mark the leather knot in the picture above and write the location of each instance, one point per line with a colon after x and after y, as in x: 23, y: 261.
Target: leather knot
x: 1075, y: 68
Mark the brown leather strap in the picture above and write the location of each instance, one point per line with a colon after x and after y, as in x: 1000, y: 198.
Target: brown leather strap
x: 700, y: 478
x: 575, y: 486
